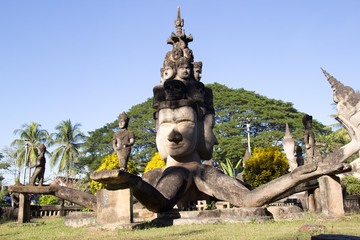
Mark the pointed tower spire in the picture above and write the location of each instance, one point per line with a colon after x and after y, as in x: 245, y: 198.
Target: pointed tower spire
x: 333, y: 82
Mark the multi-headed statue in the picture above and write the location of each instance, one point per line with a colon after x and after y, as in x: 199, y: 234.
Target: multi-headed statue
x: 122, y: 141
x: 184, y: 121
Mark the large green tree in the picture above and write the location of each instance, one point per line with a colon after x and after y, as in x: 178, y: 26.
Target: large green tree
x: 268, y: 121
x: 232, y: 107
x: 31, y: 136
x: 68, y: 136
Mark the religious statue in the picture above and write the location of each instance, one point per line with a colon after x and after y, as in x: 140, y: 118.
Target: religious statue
x: 39, y: 166
x: 184, y: 121
x: 122, y: 141
x: 309, y: 140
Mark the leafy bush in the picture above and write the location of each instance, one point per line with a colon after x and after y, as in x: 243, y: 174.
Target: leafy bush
x: 111, y: 162
x: 155, y: 162
x: 48, y: 200
x: 352, y: 185
x: 265, y: 165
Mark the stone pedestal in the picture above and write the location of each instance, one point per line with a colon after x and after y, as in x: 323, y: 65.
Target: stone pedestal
x: 332, y: 203
x: 317, y: 199
x: 311, y: 201
x: 114, y: 206
x: 24, y: 208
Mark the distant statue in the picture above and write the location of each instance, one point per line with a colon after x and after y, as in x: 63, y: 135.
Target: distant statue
x: 40, y: 166
x: 122, y: 141
x: 309, y: 140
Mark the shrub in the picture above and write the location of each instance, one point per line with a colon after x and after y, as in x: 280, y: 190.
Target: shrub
x: 155, y: 162
x: 265, y: 165
x: 48, y: 200
x: 352, y: 185
x: 111, y: 162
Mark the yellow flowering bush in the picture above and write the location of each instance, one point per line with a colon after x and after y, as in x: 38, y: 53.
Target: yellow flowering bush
x: 155, y: 162
x: 111, y: 162
x: 265, y: 165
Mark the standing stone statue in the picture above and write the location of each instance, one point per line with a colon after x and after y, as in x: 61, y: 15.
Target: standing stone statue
x: 122, y: 141
x: 40, y: 166
x: 309, y: 140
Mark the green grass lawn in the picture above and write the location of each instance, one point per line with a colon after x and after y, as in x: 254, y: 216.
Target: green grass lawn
x: 54, y: 228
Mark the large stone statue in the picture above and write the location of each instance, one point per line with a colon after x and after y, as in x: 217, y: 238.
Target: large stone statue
x: 40, y: 166
x: 122, y: 141
x: 184, y: 121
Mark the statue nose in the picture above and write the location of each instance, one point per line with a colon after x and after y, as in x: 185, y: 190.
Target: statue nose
x: 175, y: 136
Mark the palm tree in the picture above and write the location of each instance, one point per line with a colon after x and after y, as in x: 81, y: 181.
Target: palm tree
x: 67, y: 154
x: 31, y: 136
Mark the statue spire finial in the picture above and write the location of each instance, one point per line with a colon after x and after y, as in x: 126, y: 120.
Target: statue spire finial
x: 180, y: 36
x: 179, y: 23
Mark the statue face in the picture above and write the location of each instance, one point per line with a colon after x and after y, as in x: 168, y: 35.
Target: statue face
x: 207, y: 137
x: 176, y: 133
x: 197, y: 74
x: 168, y: 73
x: 183, y: 71
x: 122, y: 123
x: 177, y: 53
x: 210, y: 138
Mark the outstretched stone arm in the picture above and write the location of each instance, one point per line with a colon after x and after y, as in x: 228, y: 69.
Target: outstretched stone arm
x: 161, y: 197
x: 214, y: 183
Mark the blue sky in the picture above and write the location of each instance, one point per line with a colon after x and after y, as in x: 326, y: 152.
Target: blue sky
x: 90, y: 60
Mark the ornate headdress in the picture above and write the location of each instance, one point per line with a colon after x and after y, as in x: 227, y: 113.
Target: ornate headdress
x: 176, y: 91
x: 123, y: 116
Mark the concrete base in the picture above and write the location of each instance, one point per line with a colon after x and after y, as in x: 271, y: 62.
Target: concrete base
x: 231, y: 215
x: 80, y: 219
x: 114, y: 206
x: 332, y: 203
x: 24, y: 208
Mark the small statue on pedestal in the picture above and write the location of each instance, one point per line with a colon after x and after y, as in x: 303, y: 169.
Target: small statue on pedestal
x: 122, y: 141
x: 40, y: 166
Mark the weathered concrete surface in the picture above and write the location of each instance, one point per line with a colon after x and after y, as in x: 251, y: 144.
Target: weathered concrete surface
x: 286, y: 212
x: 114, y: 206
x: 80, y: 219
x: 332, y: 203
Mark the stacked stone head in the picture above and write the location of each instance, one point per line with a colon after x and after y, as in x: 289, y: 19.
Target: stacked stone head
x: 180, y: 78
